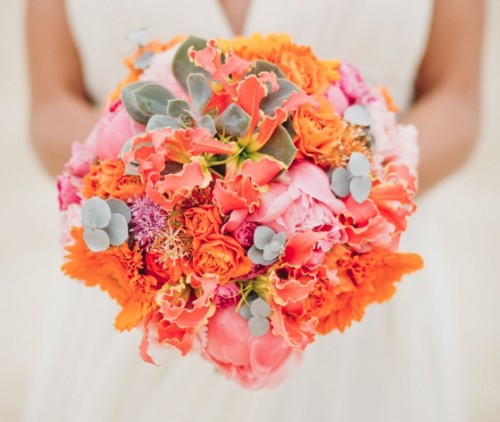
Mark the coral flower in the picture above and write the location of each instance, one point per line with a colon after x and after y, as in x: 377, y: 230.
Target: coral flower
x: 202, y: 221
x: 255, y: 362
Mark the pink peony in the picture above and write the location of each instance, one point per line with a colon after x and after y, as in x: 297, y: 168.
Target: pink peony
x: 68, y: 188
x: 355, y: 87
x: 160, y: 71
x: 337, y: 99
x: 255, y: 362
x: 302, y: 202
x: 114, y: 128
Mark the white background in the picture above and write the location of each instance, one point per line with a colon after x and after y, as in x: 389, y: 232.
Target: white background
x: 467, y: 205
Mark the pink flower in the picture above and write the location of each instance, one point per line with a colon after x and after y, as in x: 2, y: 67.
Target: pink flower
x: 254, y: 362
x: 301, y: 201
x: 70, y: 218
x: 114, y: 128
x: 68, y: 187
x: 244, y: 233
x: 160, y: 71
x: 81, y: 159
x: 355, y: 87
x: 337, y: 99
x: 228, y: 294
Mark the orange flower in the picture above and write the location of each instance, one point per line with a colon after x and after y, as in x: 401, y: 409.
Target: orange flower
x: 221, y: 255
x: 108, y: 180
x: 362, y: 280
x: 322, y: 135
x: 297, y: 62
x: 168, y: 271
x: 118, y: 271
x: 202, y: 221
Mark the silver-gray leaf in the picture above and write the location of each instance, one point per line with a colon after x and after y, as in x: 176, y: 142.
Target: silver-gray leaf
x: 95, y: 213
x: 340, y: 182
x: 357, y: 115
x: 262, y: 236
x: 245, y: 312
x: 358, y: 165
x: 117, y: 230
x: 96, y: 240
x: 199, y: 91
x: 360, y: 188
x: 233, y: 121
x: 260, y: 308
x: 259, y: 326
x: 119, y: 207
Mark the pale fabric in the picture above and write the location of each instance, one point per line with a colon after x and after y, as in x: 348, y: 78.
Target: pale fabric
x: 399, y: 364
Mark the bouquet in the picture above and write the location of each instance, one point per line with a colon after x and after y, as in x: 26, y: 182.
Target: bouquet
x: 239, y: 197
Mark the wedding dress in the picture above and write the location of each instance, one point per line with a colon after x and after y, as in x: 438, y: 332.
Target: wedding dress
x: 397, y: 365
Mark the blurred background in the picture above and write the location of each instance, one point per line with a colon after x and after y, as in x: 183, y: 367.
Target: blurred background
x: 466, y: 205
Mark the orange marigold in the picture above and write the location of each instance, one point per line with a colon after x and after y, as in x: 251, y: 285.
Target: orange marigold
x: 362, y: 280
x: 297, y: 62
x: 321, y: 134
x: 118, y: 272
x: 108, y: 180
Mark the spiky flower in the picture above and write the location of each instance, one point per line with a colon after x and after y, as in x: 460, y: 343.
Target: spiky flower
x: 148, y: 220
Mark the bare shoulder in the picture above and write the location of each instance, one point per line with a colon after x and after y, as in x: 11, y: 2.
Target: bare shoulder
x: 54, y: 63
x: 454, y: 50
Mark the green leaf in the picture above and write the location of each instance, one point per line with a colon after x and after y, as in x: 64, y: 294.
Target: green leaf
x: 176, y: 108
x: 199, y: 91
x: 233, y: 121
x: 276, y: 99
x: 280, y: 146
x: 159, y: 121
x: 142, y: 100
x: 182, y: 66
x: 265, y: 66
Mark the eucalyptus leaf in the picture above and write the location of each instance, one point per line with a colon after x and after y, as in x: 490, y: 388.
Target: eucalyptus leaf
x: 96, y: 213
x: 159, y: 121
x: 259, y: 326
x: 256, y: 256
x: 276, y: 99
x: 280, y: 146
x: 182, y: 66
x: 233, y: 121
x: 262, y: 236
x: 341, y: 182
x: 358, y: 165
x: 119, y: 207
x: 245, y: 312
x: 199, y: 91
x: 360, y: 188
x: 176, y: 108
x: 117, y: 230
x: 96, y: 240
x: 357, y: 115
x: 260, y: 308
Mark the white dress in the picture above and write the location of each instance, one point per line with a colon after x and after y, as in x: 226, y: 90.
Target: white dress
x: 399, y: 364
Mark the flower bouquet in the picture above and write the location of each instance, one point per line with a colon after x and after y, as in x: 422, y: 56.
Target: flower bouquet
x: 239, y: 197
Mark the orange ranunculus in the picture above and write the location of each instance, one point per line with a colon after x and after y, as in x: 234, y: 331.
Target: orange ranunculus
x: 322, y: 135
x: 297, y: 62
x: 221, y: 255
x: 118, y: 270
x: 359, y: 281
x: 202, y: 221
x: 108, y: 180
x: 168, y: 271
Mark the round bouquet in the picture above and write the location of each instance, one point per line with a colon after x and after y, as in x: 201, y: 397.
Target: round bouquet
x: 239, y: 197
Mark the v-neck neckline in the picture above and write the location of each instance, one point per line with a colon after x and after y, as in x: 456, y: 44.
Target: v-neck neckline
x: 227, y: 22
